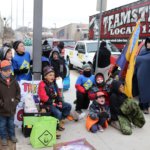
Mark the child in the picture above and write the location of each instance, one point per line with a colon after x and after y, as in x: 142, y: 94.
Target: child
x: 9, y: 98
x: 101, y: 86
x: 98, y: 114
x: 21, y: 62
x: 124, y: 110
x: 83, y: 84
x: 50, y: 96
x: 7, y: 55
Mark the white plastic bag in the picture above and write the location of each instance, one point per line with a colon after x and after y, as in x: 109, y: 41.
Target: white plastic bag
x: 30, y: 106
x: 59, y: 82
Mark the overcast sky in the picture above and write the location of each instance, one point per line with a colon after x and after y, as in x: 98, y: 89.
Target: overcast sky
x: 56, y: 13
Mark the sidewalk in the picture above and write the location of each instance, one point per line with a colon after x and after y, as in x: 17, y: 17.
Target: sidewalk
x: 110, y: 139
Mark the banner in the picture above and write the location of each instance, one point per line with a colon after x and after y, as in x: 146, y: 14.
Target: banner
x: 26, y: 87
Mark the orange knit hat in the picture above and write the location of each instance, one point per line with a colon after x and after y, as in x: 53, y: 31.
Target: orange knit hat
x: 5, y: 65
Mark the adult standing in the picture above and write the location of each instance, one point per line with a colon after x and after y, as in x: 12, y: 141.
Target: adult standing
x: 103, y: 62
x: 142, y: 77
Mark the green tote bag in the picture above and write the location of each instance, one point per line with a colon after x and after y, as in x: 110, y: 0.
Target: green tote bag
x: 43, y: 133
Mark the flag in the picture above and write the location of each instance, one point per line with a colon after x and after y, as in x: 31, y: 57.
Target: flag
x: 131, y: 54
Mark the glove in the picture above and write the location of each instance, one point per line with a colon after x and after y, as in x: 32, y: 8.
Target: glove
x: 20, y: 71
x: 24, y: 70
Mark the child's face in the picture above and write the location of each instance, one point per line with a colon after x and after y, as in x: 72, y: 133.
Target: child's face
x: 121, y: 88
x: 100, y: 100
x: 50, y: 77
x: 9, y: 55
x: 148, y: 45
x: 6, y: 73
x: 99, y: 79
x: 21, y: 48
x: 55, y: 56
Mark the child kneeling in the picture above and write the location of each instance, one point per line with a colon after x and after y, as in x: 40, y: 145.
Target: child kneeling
x: 50, y: 96
x: 98, y: 114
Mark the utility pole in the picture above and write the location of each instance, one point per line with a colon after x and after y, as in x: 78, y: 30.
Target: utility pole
x: 17, y: 15
x: 11, y: 13
x: 23, y: 13
x: 37, y: 39
x: 101, y: 6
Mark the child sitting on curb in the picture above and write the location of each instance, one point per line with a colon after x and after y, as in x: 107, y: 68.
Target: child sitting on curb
x: 98, y: 114
x: 124, y: 110
x: 50, y: 97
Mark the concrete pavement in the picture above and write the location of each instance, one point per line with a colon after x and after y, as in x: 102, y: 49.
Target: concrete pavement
x: 110, y: 139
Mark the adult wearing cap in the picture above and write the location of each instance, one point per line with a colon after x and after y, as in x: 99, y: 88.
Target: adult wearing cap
x: 83, y: 84
x: 142, y: 77
x: 9, y: 98
x: 21, y: 62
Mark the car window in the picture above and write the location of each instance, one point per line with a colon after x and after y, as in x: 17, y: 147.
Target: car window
x: 69, y: 43
x: 112, y: 47
x: 91, y: 47
x: 81, y: 48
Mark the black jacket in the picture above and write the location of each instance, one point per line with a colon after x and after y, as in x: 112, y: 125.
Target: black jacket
x: 103, y: 58
x: 116, y: 100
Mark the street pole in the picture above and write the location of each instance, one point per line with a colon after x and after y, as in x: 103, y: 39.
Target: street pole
x: 37, y: 39
x: 17, y: 15
x: 11, y: 13
x: 99, y: 33
x: 23, y: 14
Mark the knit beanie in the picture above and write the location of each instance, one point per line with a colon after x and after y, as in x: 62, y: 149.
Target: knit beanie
x: 86, y: 66
x: 47, y: 70
x: 15, y: 44
x: 5, y: 65
x: 5, y: 51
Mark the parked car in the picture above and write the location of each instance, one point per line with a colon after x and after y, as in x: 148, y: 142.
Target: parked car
x: 84, y: 52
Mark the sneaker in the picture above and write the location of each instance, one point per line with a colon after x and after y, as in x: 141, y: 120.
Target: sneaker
x: 4, y: 142
x: 101, y: 129
x: 14, y: 139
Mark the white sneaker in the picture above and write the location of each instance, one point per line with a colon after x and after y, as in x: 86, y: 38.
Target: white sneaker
x: 81, y: 116
x: 101, y: 129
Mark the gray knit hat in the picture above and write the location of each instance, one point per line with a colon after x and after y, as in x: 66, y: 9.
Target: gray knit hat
x: 86, y: 66
x: 5, y: 51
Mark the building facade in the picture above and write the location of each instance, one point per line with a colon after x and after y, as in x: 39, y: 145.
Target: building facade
x: 74, y: 31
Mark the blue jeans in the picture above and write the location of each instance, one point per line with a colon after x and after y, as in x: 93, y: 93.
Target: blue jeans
x: 7, y: 127
x: 61, y: 113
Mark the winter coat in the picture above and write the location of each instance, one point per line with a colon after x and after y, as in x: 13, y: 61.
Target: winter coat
x: 116, y: 100
x: 96, y: 111
x: 9, y: 96
x: 142, y: 75
x: 59, y: 66
x: 103, y: 58
x: 49, y: 93
x: 83, y: 84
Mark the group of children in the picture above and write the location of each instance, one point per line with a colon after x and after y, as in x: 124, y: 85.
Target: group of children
x: 107, y: 105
